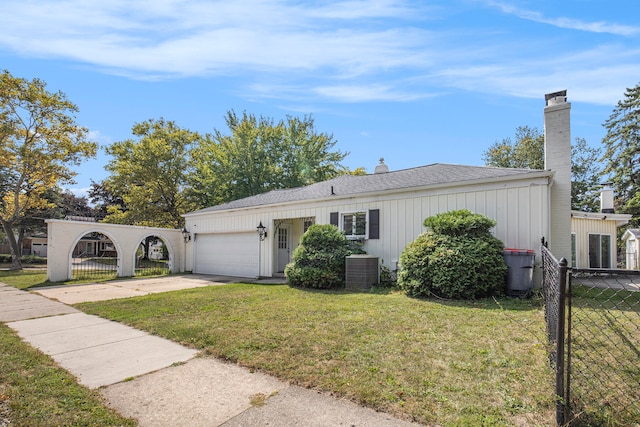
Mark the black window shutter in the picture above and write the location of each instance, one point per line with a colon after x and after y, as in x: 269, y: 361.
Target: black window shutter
x: 374, y: 224
x: 333, y: 218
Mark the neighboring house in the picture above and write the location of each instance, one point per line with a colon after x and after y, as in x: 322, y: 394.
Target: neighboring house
x: 631, y: 239
x: 35, y: 245
x: 31, y: 245
x: 385, y: 210
x: 94, y: 245
x: 594, y: 239
x: 157, y: 250
x: 594, y: 235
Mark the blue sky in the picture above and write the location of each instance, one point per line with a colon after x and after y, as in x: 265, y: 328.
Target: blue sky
x: 415, y: 82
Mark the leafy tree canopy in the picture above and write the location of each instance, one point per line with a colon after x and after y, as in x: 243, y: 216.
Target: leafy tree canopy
x: 39, y: 143
x: 103, y: 198
x: 622, y: 152
x: 150, y: 174
x: 528, y: 152
x: 259, y: 154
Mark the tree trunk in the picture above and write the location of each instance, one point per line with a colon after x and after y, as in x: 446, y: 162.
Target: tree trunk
x: 146, y: 248
x: 16, y: 264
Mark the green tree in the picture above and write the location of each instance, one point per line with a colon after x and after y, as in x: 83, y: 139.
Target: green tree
x: 103, y: 198
x: 622, y: 152
x: 151, y: 174
x: 39, y: 143
x: 528, y: 152
x: 259, y: 155
x: 586, y: 173
x: 60, y: 204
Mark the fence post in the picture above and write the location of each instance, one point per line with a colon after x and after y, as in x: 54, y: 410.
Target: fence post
x: 560, y: 335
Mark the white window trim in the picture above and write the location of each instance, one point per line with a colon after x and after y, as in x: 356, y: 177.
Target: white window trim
x: 577, y: 250
x: 366, y: 225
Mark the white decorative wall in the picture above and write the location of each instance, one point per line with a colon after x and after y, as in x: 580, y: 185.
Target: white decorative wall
x: 63, y: 235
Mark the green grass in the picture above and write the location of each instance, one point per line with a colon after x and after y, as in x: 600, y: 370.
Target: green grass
x: 25, y: 279
x: 452, y: 363
x: 34, y: 391
x: 605, y: 355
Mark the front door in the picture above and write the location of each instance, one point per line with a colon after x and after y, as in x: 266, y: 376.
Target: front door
x: 284, y: 246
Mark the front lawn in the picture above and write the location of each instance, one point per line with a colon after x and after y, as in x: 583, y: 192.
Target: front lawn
x: 447, y: 362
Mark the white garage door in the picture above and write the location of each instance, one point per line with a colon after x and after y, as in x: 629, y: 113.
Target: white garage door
x: 233, y: 254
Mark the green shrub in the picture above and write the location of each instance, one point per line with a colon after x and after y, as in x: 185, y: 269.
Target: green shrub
x: 462, y: 223
x: 456, y: 258
x: 26, y: 259
x: 319, y: 260
x: 387, y: 277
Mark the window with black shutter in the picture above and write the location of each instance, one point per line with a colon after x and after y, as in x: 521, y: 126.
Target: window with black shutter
x: 374, y: 224
x: 334, y: 218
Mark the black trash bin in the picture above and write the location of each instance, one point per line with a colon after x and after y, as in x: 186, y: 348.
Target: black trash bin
x: 520, y: 271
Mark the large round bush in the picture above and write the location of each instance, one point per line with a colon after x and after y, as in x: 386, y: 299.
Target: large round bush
x: 319, y: 260
x: 457, y: 257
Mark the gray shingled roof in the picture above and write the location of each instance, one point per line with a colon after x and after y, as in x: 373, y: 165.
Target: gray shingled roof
x: 349, y: 185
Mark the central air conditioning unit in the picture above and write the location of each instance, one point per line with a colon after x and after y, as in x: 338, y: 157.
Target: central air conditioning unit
x: 361, y: 272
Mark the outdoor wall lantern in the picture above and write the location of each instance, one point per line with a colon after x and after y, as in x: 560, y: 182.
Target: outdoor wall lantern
x: 262, y: 231
x: 186, y: 235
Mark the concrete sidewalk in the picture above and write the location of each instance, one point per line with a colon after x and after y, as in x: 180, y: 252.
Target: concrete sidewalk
x: 161, y: 383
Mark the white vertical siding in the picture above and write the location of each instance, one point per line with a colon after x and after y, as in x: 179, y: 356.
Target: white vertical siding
x: 582, y: 227
x: 519, y: 208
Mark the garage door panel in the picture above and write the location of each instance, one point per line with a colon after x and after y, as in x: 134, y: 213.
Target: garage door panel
x: 232, y: 254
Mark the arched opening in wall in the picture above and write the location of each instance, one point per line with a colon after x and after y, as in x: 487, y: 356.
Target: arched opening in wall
x: 94, y: 257
x: 152, y: 257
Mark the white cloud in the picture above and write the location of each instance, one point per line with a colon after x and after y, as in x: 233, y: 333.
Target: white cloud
x: 568, y: 23
x: 585, y: 75
x: 366, y: 93
x: 186, y: 38
x: 96, y: 136
x: 309, y: 52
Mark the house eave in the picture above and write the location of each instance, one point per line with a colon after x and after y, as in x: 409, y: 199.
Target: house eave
x: 620, y: 219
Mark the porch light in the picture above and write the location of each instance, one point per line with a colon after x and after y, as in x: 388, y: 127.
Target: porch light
x: 262, y: 231
x: 186, y: 235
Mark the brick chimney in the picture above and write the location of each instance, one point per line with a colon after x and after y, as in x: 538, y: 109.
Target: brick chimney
x: 557, y: 157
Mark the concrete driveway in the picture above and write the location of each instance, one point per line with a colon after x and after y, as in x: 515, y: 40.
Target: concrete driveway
x: 126, y: 288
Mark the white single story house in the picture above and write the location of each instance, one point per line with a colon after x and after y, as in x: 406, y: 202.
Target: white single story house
x: 385, y: 210
x: 631, y: 239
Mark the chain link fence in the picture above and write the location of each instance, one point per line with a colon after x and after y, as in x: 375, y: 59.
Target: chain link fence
x: 593, y: 327
x: 551, y: 291
x: 604, y: 347
x: 554, y: 275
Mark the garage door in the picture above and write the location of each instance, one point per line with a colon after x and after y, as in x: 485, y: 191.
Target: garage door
x: 233, y: 254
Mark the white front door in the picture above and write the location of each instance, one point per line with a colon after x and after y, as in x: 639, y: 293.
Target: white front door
x: 284, y: 246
